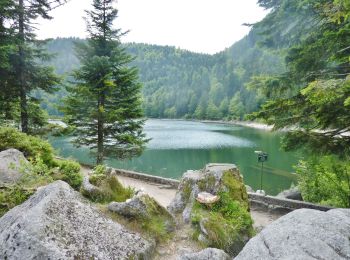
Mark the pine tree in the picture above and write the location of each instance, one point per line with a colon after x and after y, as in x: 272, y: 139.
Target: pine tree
x: 104, y: 105
x: 22, y: 57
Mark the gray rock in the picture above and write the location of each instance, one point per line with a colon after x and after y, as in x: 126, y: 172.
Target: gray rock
x: 143, y: 207
x: 292, y: 194
x: 11, y: 161
x: 57, y: 223
x: 303, y: 234
x: 87, y: 187
x: 132, y: 208
x: 206, y: 254
x: 249, y: 189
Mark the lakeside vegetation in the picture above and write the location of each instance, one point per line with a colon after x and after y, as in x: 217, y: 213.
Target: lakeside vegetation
x: 291, y: 75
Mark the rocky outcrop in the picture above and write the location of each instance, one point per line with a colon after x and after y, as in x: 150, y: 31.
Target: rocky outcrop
x: 292, y: 194
x: 303, y: 234
x: 11, y: 162
x: 144, y: 208
x: 57, y: 223
x: 206, y: 254
x: 220, y: 218
x: 212, y: 179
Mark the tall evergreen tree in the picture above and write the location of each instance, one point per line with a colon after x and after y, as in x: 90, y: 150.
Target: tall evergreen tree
x: 104, y: 105
x: 24, y: 71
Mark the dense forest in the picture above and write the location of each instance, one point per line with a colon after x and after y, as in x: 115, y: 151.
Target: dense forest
x: 183, y: 84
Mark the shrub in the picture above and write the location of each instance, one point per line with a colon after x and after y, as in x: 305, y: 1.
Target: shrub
x: 69, y: 171
x: 13, y: 196
x: 325, y: 180
x: 32, y: 147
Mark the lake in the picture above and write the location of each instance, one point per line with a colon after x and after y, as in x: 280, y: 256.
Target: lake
x: 177, y: 146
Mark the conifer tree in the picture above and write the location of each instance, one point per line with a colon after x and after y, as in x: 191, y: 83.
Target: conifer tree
x: 23, y: 56
x: 104, y: 105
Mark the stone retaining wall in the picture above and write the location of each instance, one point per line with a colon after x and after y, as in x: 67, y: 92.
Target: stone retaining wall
x: 266, y: 203
x: 280, y: 205
x: 149, y: 178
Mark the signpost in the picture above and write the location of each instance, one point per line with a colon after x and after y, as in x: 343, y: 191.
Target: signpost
x: 262, y: 157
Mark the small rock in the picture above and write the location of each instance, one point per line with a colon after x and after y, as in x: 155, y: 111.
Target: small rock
x: 249, y: 189
x: 292, y: 194
x: 206, y: 254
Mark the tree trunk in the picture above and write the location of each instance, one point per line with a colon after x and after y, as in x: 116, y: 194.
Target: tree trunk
x: 22, y: 83
x: 100, y: 126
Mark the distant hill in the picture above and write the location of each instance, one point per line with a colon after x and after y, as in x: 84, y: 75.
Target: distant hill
x: 183, y: 84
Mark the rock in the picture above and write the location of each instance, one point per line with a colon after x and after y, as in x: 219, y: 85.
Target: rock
x: 206, y: 254
x: 11, y: 161
x: 222, y: 185
x: 143, y: 207
x: 292, y: 194
x: 249, y: 189
x: 303, y: 234
x: 57, y: 223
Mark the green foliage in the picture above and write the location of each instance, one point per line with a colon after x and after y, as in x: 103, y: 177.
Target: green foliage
x: 325, y: 180
x: 13, y: 196
x: 104, y: 104
x: 69, y: 171
x: 227, y: 223
x: 32, y: 147
x: 23, y: 70
x: 178, y: 83
x: 109, y: 189
x: 311, y: 96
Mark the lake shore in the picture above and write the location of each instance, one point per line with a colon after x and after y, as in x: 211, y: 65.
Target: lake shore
x: 250, y: 124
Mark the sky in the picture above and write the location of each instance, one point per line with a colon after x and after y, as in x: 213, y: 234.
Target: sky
x: 205, y: 26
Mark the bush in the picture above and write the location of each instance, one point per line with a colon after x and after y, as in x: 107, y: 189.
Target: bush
x: 32, y: 147
x: 325, y: 180
x: 13, y: 196
x: 69, y: 171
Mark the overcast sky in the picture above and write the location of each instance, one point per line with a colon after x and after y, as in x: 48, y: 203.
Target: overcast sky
x: 207, y: 26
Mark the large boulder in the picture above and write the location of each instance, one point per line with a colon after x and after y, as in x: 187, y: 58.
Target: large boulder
x: 214, y: 200
x: 212, y: 179
x: 11, y: 163
x: 303, y: 234
x: 206, y: 254
x: 57, y: 223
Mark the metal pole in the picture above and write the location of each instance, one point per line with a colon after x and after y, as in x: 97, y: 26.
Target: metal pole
x: 261, y: 176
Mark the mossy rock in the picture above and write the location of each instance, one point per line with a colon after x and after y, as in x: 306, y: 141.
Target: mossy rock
x: 105, y: 188
x: 152, y: 218
x: 225, y: 224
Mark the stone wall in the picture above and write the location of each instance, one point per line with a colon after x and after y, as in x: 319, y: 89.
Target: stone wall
x: 268, y: 203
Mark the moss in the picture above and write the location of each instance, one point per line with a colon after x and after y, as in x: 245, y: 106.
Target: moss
x: 109, y: 189
x: 235, y: 187
x: 187, y: 189
x: 207, y: 182
x: 227, y: 223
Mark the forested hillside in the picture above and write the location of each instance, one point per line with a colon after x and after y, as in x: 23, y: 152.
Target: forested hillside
x: 183, y: 84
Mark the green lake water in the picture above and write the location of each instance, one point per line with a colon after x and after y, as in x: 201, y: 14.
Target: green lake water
x: 177, y: 146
